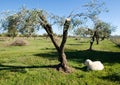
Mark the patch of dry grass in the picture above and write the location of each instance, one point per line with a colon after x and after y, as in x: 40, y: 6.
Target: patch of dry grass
x: 19, y: 42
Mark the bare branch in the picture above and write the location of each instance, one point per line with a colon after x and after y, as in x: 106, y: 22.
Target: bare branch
x: 65, y: 32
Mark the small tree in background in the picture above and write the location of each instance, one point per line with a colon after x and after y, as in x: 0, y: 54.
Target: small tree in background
x: 102, y: 30
x: 10, y: 26
x: 93, y: 9
x: 22, y: 22
x: 106, y: 30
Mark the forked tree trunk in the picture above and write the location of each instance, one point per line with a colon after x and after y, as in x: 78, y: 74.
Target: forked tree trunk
x: 60, y: 49
x: 62, y: 56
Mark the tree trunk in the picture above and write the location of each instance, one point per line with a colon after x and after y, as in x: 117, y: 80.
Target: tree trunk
x: 97, y: 40
x: 91, y: 43
x: 60, y: 49
x: 93, y: 39
x: 63, y: 63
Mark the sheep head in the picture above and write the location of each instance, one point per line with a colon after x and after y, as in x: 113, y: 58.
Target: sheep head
x: 87, y: 62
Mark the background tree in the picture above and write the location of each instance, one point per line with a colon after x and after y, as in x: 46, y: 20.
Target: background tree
x: 23, y: 22
x: 102, y: 30
x: 82, y: 32
x: 28, y: 23
x: 93, y: 10
x: 10, y: 25
x: 106, y: 30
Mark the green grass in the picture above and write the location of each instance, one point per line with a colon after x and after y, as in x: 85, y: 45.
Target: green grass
x: 32, y: 64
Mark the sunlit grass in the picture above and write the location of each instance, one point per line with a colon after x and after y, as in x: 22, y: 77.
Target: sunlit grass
x: 31, y: 65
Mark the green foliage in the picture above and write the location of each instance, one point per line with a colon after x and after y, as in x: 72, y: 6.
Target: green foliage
x: 105, y: 29
x: 81, y: 31
x: 95, y: 7
x: 24, y: 21
x: 34, y: 64
x: 92, y: 11
x: 10, y: 25
x: 28, y: 23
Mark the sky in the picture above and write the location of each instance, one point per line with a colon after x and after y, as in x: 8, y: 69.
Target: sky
x: 64, y: 8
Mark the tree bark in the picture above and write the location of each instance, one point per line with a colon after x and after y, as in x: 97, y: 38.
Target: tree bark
x: 63, y: 63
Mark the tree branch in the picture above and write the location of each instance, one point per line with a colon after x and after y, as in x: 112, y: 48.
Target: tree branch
x: 49, y: 30
x: 65, y: 32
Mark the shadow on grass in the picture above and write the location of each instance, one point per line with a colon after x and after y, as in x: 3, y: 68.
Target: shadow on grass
x: 104, y: 56
x: 48, y: 48
x: 22, y: 69
x: 75, y: 44
x: 82, y: 55
x: 118, y: 45
x: 81, y: 68
x: 112, y: 77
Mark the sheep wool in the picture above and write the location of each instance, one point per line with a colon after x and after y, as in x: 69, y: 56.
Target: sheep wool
x: 94, y: 65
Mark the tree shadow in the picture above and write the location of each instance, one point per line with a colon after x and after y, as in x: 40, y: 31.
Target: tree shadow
x: 50, y: 55
x: 113, y: 77
x: 82, y: 55
x: 81, y: 68
x: 75, y: 44
x: 48, y: 48
x: 118, y: 45
x: 104, y: 56
x: 22, y: 69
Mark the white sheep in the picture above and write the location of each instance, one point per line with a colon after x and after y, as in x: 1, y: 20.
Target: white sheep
x: 94, y: 65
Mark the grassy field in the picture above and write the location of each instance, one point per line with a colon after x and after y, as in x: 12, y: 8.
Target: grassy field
x: 32, y: 64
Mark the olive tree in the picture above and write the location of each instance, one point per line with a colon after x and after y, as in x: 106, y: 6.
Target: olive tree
x: 93, y: 10
x: 106, y: 30
x: 28, y: 24
x: 60, y: 48
x: 10, y: 25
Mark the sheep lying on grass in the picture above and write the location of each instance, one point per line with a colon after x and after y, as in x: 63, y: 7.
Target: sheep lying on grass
x: 94, y: 65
